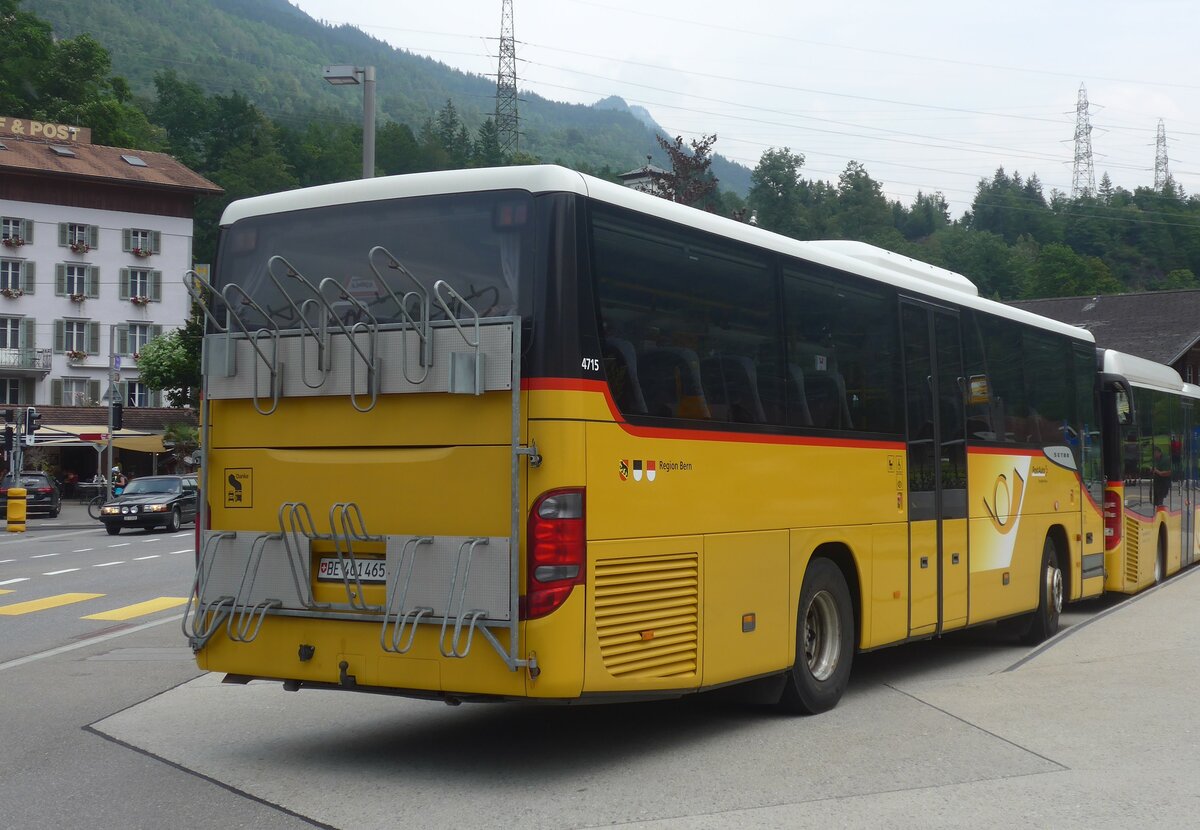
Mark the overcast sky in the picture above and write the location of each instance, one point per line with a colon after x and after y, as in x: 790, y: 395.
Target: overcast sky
x: 929, y: 95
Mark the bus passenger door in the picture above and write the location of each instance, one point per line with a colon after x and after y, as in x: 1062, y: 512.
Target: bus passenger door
x: 937, y: 468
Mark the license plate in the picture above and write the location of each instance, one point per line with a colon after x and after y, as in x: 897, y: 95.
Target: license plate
x: 369, y: 570
x: 131, y: 518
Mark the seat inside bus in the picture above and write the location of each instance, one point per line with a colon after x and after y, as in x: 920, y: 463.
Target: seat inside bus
x: 670, y: 381
x: 731, y: 387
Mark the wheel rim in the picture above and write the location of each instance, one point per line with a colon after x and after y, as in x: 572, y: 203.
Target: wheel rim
x: 822, y: 636
x: 1054, y: 588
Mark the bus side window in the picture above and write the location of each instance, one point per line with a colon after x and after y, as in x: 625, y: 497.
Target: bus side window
x: 671, y: 383
x: 732, y: 382
x: 620, y: 367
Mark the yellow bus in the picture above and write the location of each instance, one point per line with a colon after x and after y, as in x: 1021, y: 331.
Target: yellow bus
x: 523, y: 434
x: 1150, y: 426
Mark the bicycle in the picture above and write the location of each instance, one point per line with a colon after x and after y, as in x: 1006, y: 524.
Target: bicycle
x: 95, y: 504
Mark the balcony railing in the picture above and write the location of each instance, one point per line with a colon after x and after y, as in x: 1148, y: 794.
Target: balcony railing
x: 38, y: 360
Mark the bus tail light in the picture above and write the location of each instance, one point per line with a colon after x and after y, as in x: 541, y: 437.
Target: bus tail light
x: 556, y: 545
x: 1112, y: 518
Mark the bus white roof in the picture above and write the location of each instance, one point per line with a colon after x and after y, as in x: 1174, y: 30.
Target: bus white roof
x: 855, y: 257
x: 1142, y: 372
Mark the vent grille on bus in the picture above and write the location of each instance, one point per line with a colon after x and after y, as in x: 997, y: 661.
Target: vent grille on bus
x: 647, y: 616
x: 1132, y: 537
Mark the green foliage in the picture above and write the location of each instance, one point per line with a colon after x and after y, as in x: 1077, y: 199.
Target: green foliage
x: 172, y: 363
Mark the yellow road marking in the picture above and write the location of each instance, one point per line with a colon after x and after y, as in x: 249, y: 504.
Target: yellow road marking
x: 42, y: 604
x: 5, y: 591
x: 139, y: 610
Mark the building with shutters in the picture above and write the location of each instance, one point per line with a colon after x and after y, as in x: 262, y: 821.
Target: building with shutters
x: 94, y: 243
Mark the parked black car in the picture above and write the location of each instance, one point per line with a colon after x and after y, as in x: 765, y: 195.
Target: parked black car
x: 41, y: 493
x: 153, y: 501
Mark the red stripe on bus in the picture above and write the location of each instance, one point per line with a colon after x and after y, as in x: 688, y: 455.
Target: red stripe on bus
x: 1005, y: 451
x: 599, y: 387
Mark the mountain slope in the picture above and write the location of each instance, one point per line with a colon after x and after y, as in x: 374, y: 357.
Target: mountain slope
x: 272, y: 53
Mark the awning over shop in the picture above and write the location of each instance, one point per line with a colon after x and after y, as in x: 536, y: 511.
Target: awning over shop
x: 126, y: 439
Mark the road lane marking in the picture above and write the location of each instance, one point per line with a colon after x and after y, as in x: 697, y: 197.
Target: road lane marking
x: 140, y: 558
x: 120, y: 545
x: 180, y: 535
x: 6, y: 561
x: 43, y: 555
x: 181, y: 550
x: 148, y: 541
x: 55, y: 601
x: 5, y: 591
x: 13, y: 581
x: 140, y: 609
x: 82, y: 550
x: 63, y: 571
x: 106, y: 564
x: 91, y: 641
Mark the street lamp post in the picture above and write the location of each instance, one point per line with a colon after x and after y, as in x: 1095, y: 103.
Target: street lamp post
x: 342, y: 75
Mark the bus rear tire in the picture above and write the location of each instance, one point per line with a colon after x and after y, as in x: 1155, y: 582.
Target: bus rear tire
x: 824, y: 642
x: 1043, y: 623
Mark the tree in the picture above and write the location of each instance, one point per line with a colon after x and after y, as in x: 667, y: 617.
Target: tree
x: 861, y: 211
x: 171, y: 363
x: 689, y: 181
x: 66, y: 81
x: 776, y: 193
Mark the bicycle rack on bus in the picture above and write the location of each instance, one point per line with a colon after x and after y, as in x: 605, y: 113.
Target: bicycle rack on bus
x: 458, y: 593
x: 466, y: 368
x: 274, y: 367
x: 403, y: 620
x: 419, y: 324
x: 198, y: 625
x: 369, y: 327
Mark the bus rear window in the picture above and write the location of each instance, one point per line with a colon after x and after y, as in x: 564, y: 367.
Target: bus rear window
x: 477, y: 242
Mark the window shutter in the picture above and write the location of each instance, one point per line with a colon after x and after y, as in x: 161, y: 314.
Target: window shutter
x: 93, y: 236
x: 28, y: 392
x: 93, y: 281
x: 28, y: 282
x: 156, y: 286
x: 126, y: 239
x: 28, y: 333
x: 63, y: 239
x: 156, y: 241
x: 27, y: 230
x: 156, y: 398
x: 59, y: 337
x: 123, y: 339
x: 56, y: 392
x: 121, y: 390
x: 93, y: 391
x: 93, y: 338
x: 123, y: 284
x: 60, y: 279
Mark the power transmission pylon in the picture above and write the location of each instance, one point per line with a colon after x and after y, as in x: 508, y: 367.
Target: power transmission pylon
x: 1161, y: 174
x: 506, y: 83
x: 1083, y: 180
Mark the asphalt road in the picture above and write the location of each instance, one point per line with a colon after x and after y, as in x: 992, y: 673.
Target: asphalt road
x: 107, y: 723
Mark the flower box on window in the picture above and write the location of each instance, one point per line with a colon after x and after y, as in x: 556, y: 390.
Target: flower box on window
x: 80, y: 247
x: 13, y: 242
x: 77, y: 298
x: 76, y: 354
x: 140, y: 299
x: 141, y: 252
x: 11, y: 292
x: 137, y: 355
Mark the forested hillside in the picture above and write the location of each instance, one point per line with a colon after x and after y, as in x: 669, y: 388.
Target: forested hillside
x: 272, y: 53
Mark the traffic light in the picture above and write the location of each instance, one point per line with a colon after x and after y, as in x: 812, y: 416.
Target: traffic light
x: 9, y: 416
x: 8, y: 439
x: 118, y: 414
x: 32, y: 416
